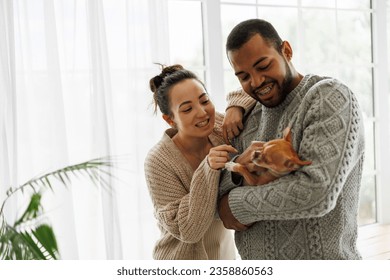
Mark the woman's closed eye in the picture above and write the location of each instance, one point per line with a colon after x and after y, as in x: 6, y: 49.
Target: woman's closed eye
x: 187, y: 109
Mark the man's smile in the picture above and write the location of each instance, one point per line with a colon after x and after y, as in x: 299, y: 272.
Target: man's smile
x: 263, y: 91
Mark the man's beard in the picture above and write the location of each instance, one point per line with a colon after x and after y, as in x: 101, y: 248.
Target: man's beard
x: 284, y: 89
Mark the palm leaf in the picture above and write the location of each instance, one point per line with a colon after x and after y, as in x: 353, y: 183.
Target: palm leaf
x: 15, y: 246
x: 32, y: 211
x: 44, y: 234
x: 64, y: 174
x: 31, y: 245
x: 28, y: 237
x: 99, y: 166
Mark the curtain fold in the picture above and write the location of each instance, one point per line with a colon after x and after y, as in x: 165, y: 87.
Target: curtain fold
x: 8, y: 147
x: 62, y: 218
x: 103, y: 130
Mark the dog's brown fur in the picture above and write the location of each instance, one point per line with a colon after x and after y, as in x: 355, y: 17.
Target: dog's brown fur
x: 274, y: 159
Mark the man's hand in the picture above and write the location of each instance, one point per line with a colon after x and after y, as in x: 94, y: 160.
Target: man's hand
x: 226, y: 215
x: 232, y: 123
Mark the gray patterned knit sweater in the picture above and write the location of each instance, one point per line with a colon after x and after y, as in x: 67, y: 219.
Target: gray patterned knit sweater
x: 312, y: 213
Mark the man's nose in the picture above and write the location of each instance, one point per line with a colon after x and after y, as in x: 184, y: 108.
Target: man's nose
x: 256, y: 81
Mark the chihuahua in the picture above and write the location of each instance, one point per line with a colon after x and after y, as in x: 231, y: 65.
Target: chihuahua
x: 272, y: 160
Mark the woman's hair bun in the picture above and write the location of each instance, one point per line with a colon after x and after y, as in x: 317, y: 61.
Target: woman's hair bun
x: 161, y: 85
x: 170, y: 70
x: 156, y: 81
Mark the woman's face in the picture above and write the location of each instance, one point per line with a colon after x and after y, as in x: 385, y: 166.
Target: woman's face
x: 192, y: 110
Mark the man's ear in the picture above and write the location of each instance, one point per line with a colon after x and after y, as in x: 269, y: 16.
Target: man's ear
x: 169, y: 120
x: 287, y: 50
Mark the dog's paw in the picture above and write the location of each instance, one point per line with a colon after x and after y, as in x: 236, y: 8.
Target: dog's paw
x: 230, y: 166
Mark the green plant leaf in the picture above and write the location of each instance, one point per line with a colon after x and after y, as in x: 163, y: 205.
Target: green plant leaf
x: 13, y: 245
x: 29, y: 238
x: 45, y: 235
x: 32, y: 211
x: 32, y: 245
x: 38, y: 243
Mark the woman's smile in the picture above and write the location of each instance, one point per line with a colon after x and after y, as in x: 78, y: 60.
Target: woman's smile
x: 203, y: 123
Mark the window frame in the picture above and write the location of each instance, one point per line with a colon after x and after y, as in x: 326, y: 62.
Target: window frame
x: 381, y: 105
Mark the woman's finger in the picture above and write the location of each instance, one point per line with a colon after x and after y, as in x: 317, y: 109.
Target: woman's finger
x: 224, y: 147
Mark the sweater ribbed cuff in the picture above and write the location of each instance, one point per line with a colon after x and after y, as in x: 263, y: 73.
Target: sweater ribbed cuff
x: 239, y: 98
x: 238, y: 206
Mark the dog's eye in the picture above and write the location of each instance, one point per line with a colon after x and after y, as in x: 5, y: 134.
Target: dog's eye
x: 257, y: 154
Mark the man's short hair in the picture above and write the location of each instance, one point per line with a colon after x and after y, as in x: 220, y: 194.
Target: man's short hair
x: 245, y: 30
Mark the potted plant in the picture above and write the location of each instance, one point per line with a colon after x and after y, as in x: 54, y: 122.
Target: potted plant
x: 30, y: 236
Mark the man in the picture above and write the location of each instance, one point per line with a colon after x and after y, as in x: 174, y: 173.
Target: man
x: 311, y: 213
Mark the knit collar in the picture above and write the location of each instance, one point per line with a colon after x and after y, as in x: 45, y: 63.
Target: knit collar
x: 174, y: 150
x: 170, y: 132
x: 167, y: 140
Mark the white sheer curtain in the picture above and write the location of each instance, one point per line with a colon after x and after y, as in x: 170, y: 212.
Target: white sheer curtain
x: 7, y: 105
x: 74, y: 86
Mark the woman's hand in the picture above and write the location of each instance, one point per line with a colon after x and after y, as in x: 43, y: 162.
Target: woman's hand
x: 219, y: 155
x: 232, y: 123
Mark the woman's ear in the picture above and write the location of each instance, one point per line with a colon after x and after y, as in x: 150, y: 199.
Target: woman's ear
x: 169, y: 120
x: 287, y: 50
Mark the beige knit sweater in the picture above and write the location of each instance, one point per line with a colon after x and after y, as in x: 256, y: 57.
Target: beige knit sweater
x: 185, y: 200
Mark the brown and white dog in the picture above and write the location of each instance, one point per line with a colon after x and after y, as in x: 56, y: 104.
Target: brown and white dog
x: 272, y: 160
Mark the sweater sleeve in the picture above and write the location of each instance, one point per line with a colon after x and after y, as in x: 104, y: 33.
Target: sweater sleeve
x: 186, y: 212
x: 333, y: 138
x: 238, y: 98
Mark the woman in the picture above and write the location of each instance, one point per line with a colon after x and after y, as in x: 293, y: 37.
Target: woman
x: 182, y: 170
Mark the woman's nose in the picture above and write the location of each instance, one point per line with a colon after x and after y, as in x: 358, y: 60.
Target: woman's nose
x: 201, y: 111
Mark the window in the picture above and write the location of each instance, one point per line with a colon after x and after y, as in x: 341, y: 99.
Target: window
x: 186, y: 34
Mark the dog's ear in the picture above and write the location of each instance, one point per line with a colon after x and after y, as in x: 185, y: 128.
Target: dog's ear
x: 294, y: 163
x: 300, y: 162
x: 287, y: 134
